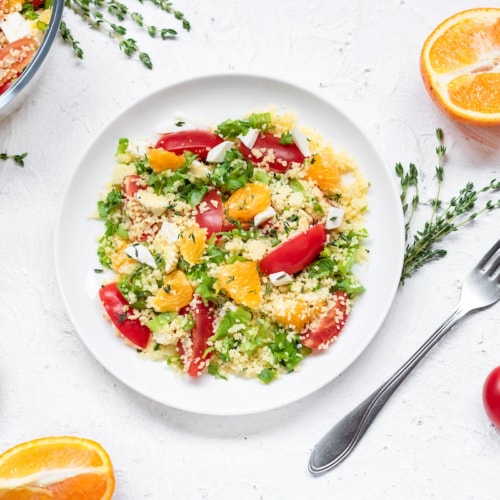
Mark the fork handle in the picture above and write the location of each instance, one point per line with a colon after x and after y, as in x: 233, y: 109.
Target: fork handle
x: 341, y: 439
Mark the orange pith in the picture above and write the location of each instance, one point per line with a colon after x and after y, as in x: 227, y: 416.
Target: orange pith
x: 241, y: 281
x: 176, y: 293
x: 324, y: 174
x: 192, y: 243
x: 245, y: 203
x: 57, y: 468
x: 460, y: 66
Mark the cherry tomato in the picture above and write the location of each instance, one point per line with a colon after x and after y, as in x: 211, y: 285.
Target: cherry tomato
x: 132, y: 329
x: 284, y: 154
x: 22, y: 51
x: 295, y: 254
x: 131, y: 184
x: 199, y: 142
x: 210, y: 213
x: 203, y: 329
x: 491, y: 396
x: 331, y: 325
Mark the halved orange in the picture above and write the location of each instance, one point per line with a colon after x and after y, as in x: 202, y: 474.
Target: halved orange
x: 56, y: 468
x: 460, y: 66
x: 241, y: 281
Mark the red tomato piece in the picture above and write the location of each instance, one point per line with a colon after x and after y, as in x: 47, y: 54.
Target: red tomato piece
x: 295, y: 254
x: 210, y: 213
x: 131, y: 184
x: 203, y: 329
x: 132, y: 329
x: 199, y: 142
x: 331, y: 325
x: 491, y: 396
x: 21, y: 51
x: 283, y: 154
x: 6, y: 85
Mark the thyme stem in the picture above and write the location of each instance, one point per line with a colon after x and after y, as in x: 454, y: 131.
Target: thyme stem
x: 460, y: 210
x: 17, y: 159
x: 98, y: 14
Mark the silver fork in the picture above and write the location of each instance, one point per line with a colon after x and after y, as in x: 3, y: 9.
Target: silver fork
x: 480, y: 289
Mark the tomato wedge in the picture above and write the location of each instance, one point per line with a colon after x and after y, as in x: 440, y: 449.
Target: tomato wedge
x: 131, y: 184
x: 282, y: 154
x: 199, y: 142
x: 331, y: 325
x: 210, y: 213
x: 203, y: 329
x: 22, y: 51
x: 295, y: 254
x: 132, y: 329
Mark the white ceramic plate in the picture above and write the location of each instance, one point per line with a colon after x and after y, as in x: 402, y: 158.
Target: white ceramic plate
x: 217, y: 98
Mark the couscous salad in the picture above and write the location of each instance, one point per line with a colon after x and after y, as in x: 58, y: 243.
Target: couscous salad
x: 232, y: 248
x: 22, y: 26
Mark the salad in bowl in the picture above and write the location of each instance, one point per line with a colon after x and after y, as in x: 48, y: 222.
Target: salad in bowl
x: 27, y: 31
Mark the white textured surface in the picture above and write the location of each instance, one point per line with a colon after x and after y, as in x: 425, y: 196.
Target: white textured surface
x: 431, y: 441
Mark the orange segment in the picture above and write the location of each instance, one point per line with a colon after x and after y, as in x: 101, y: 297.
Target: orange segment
x: 297, y: 313
x: 326, y: 175
x: 120, y: 261
x: 192, y: 243
x: 176, y: 293
x: 460, y: 66
x: 241, y: 281
x: 161, y: 160
x: 245, y: 203
x: 57, y: 468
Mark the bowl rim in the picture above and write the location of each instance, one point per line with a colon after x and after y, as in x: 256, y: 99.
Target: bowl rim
x: 39, y: 57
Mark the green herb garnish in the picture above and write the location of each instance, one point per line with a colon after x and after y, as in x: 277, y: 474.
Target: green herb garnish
x: 17, y: 159
x: 105, y: 16
x: 459, y: 211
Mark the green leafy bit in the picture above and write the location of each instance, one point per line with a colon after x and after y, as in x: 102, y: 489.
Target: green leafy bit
x: 267, y: 375
x: 233, y: 128
x: 286, y: 138
x: 186, y: 321
x: 132, y: 286
x: 113, y: 200
x: 233, y: 173
x: 178, y: 181
x: 444, y: 219
x: 287, y: 349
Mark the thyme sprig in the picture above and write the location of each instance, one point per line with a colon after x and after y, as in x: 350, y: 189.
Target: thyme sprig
x: 17, y: 159
x: 459, y: 211
x: 105, y: 16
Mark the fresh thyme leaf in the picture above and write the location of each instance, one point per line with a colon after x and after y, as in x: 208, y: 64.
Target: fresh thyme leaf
x: 17, y: 159
x: 444, y: 219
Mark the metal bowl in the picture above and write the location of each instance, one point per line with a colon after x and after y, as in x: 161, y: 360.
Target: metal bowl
x: 13, y: 96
